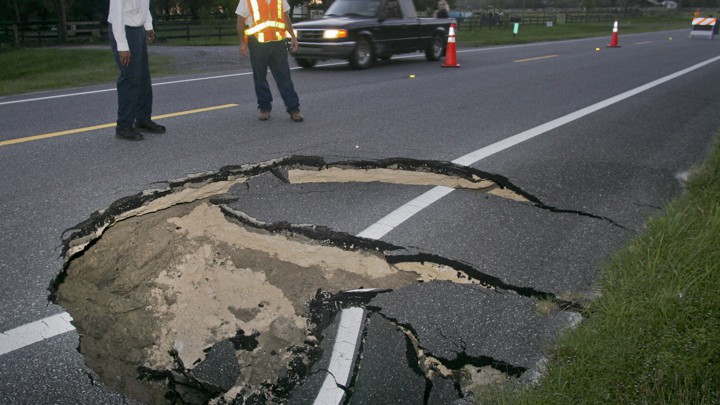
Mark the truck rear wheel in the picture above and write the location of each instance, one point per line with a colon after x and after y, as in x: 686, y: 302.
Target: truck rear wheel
x: 435, y: 49
x: 363, y: 56
x: 306, y: 63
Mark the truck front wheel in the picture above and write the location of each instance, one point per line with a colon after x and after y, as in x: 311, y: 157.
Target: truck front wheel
x: 435, y: 49
x: 363, y: 56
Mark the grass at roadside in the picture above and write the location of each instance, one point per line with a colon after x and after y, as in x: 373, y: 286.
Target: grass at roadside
x: 653, y: 337
x: 538, y: 33
x: 36, y: 69
x: 503, y: 35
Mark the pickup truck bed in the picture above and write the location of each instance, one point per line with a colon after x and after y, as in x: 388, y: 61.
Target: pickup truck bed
x: 363, y: 30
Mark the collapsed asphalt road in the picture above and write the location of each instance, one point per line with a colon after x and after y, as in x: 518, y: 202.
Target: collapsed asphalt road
x: 601, y: 151
x: 180, y: 295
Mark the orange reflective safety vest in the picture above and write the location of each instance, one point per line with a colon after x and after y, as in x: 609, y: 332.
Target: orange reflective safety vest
x: 268, y: 20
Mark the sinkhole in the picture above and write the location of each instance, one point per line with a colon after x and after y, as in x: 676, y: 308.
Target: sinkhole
x: 170, y: 287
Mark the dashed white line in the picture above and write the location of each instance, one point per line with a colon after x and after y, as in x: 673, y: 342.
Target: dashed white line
x: 37, y: 331
x: 402, y: 214
x: 342, y: 358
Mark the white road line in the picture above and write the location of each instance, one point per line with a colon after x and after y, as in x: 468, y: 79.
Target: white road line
x: 48, y: 327
x: 489, y: 150
x: 343, y: 355
x: 400, y: 215
x: 84, y: 93
x: 25, y: 335
x: 196, y: 79
x: 28, y: 100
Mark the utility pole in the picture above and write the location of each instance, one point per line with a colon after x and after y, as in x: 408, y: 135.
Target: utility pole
x: 16, y: 26
x: 62, y: 26
x: 17, y: 11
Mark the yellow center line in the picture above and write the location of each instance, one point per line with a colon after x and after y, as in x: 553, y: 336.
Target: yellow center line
x: 538, y: 58
x: 102, y: 126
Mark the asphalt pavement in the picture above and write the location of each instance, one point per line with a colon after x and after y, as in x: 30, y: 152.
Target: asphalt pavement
x: 598, y: 140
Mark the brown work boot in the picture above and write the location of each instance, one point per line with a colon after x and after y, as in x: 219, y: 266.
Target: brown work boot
x: 264, y: 115
x: 296, y: 116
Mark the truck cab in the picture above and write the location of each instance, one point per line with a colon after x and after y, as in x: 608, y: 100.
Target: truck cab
x: 363, y: 30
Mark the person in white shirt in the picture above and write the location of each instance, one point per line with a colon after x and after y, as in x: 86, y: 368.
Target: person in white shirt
x: 131, y: 31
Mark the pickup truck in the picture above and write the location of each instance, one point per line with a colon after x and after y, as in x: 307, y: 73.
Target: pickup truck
x: 363, y: 30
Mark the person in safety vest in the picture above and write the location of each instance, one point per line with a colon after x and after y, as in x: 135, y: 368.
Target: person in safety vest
x: 263, y: 27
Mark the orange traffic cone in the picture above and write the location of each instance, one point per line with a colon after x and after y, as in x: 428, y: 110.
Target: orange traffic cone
x: 614, y: 38
x: 450, y: 60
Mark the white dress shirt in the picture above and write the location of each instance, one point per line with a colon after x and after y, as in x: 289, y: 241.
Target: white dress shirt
x: 133, y: 13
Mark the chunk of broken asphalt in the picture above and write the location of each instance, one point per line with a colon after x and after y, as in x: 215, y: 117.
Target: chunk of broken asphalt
x: 388, y: 372
x: 220, y: 368
x: 474, y: 325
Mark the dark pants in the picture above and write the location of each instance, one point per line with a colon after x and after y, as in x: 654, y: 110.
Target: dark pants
x: 273, y: 55
x: 134, y: 87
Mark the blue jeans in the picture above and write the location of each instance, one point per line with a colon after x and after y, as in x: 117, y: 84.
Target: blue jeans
x: 134, y: 87
x: 273, y: 55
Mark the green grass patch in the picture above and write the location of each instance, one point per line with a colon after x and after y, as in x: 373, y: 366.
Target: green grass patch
x: 503, y: 35
x: 37, y: 69
x: 653, y: 337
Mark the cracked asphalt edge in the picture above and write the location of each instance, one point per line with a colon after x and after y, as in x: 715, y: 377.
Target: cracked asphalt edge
x: 209, y: 184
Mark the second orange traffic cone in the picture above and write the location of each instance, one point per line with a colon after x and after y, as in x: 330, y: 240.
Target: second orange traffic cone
x: 614, y: 38
x: 450, y: 60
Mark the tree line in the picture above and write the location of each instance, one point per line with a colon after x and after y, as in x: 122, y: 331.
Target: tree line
x: 96, y: 10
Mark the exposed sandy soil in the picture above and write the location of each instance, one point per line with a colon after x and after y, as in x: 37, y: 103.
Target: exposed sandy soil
x: 186, y: 278
x: 156, y: 287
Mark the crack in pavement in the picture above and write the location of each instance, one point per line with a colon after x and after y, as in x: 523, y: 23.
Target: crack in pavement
x: 331, y: 374
x: 431, y: 365
x: 190, y: 249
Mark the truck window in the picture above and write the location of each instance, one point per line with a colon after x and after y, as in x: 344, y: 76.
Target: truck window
x: 353, y: 8
x: 392, y: 9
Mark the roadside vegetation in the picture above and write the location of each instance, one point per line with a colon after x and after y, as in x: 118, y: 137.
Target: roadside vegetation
x: 653, y: 335
x: 503, y: 35
x: 35, y: 69
x: 473, y: 35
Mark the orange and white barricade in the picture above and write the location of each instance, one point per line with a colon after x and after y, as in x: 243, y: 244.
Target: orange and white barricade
x: 703, y: 27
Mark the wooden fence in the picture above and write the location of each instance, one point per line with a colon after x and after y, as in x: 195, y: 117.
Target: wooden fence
x: 480, y: 20
x: 46, y: 32
x: 188, y: 29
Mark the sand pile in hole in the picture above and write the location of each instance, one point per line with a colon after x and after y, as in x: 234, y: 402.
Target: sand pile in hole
x: 186, y: 278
